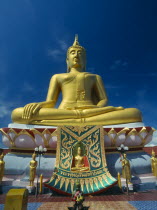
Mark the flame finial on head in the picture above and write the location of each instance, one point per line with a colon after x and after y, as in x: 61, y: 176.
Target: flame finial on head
x: 76, y: 45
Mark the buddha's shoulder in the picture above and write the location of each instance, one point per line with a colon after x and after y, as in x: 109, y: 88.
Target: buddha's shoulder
x: 61, y: 75
x: 93, y: 75
x: 68, y: 75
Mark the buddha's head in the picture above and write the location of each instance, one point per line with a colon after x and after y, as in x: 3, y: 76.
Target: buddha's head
x: 79, y: 151
x: 76, y: 56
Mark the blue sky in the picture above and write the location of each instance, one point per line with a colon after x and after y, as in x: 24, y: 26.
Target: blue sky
x: 120, y: 38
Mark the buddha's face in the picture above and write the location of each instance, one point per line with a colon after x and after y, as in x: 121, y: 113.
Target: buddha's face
x: 76, y: 58
x: 79, y: 151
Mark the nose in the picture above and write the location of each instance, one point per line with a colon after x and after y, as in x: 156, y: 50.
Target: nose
x: 76, y: 54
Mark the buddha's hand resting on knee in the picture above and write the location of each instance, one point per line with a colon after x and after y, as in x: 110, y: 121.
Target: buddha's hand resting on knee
x: 31, y: 109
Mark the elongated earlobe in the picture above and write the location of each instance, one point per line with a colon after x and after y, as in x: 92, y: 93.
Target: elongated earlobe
x: 67, y: 61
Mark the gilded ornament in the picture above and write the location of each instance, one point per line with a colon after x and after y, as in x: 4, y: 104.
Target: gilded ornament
x: 66, y: 184
x: 57, y: 180
x: 87, y: 184
x: 91, y: 184
x: 96, y: 182
x: 72, y: 182
x: 82, y: 181
x: 62, y: 181
x: 105, y: 178
x: 101, y: 181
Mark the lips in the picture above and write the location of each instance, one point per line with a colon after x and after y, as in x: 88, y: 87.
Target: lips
x: 76, y: 59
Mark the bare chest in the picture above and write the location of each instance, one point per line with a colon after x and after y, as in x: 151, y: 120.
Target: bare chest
x: 80, y: 80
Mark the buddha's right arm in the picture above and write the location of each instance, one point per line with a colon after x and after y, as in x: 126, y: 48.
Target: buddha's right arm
x: 54, y: 89
x: 101, y: 92
x: 52, y: 96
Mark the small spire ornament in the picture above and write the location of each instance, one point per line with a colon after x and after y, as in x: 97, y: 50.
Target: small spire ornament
x: 76, y: 45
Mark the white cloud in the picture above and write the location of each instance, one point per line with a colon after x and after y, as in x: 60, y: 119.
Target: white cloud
x: 3, y: 61
x: 145, y: 74
x: 55, y: 54
x: 118, y: 63
x: 4, y: 110
x: 59, y: 53
x: 147, y: 107
x: 152, y: 74
x: 30, y: 9
x: 6, y: 107
x: 113, y: 86
x: 63, y: 45
x: 141, y: 94
x: 142, y: 99
x: 27, y: 87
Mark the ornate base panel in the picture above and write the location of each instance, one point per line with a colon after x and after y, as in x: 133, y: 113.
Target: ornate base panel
x: 80, y: 158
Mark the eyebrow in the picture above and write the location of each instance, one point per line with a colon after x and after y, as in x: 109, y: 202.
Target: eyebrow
x: 72, y: 51
x: 75, y: 50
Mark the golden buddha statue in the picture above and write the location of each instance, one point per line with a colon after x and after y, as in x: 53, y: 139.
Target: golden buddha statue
x: 80, y: 162
x: 2, y: 165
x: 84, y: 99
x: 32, y: 173
x: 126, y: 172
x: 154, y: 164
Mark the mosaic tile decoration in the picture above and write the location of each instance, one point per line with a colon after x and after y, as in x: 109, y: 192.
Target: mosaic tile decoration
x: 101, y: 205
x: 98, y: 205
x: 33, y: 206
x: 144, y: 205
x: 98, y: 202
x: 30, y: 206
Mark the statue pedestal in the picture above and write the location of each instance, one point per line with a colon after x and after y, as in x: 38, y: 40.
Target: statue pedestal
x: 22, y: 139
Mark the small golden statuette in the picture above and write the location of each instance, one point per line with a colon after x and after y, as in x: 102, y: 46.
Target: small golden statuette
x: 2, y: 165
x: 33, y: 166
x: 126, y: 171
x: 80, y: 162
x: 154, y: 164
